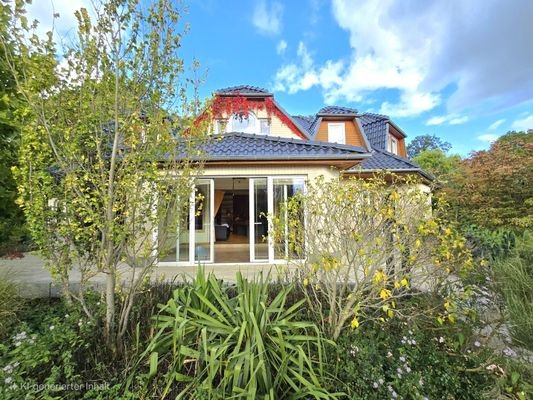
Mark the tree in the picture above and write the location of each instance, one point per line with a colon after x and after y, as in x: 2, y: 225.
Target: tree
x: 99, y: 165
x: 496, y: 189
x: 360, y: 246
x: 11, y: 216
x: 426, y: 142
x: 440, y: 165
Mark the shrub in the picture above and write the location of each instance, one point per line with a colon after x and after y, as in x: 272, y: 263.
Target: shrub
x: 417, y: 358
x: 365, y: 245
x: 50, y: 347
x: 10, y: 304
x: 513, y: 276
x: 215, y: 341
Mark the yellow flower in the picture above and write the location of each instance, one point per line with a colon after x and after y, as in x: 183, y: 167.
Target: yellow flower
x: 417, y: 243
x: 317, y: 287
x: 404, y: 282
x: 355, y: 323
x: 448, y: 232
x: 306, y: 282
x: 379, y: 276
x: 397, y: 285
x: 385, y: 294
x: 361, y: 252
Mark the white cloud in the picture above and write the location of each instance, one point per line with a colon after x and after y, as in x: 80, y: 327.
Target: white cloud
x: 488, y: 137
x: 496, y: 124
x: 281, y: 47
x: 267, y: 19
x: 66, y: 24
x: 523, y: 124
x: 418, y: 49
x: 451, y: 119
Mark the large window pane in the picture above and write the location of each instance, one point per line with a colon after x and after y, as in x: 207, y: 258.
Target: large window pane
x: 260, y: 219
x: 173, y: 232
x: 202, y: 222
x: 283, y: 190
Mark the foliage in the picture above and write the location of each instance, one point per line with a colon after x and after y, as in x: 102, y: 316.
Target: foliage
x: 513, y: 275
x: 440, y: 165
x: 423, y: 143
x: 418, y: 358
x: 225, y: 106
x: 53, y: 346
x: 372, y: 243
x: 496, y: 190
x: 11, y: 217
x: 215, y: 341
x: 10, y: 305
x: 96, y: 130
x: 489, y: 243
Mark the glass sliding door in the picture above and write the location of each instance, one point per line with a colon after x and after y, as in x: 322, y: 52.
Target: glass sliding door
x: 259, y: 243
x: 173, y: 232
x: 288, y: 244
x: 185, y: 234
x: 202, y: 221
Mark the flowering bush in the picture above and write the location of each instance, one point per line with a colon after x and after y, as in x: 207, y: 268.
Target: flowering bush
x: 46, y: 354
x: 363, y: 245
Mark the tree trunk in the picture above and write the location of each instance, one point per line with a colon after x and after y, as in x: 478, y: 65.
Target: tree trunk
x: 110, y: 308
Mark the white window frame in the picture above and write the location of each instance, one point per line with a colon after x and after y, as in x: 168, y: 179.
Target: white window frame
x: 393, y: 145
x: 218, y: 126
x: 270, y: 207
x: 337, y: 125
x: 269, y: 125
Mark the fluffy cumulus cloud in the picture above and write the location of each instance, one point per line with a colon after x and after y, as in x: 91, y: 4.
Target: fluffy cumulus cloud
x: 523, y: 124
x: 65, y: 25
x: 423, y: 50
x: 267, y: 17
x: 488, y: 137
x: 451, y: 119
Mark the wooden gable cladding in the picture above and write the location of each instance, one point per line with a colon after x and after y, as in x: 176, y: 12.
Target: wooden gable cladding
x: 353, y: 133
x: 402, y: 152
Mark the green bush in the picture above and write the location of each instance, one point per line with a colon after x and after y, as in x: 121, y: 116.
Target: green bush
x: 10, y: 305
x: 417, y: 358
x: 52, y: 346
x: 513, y: 276
x: 216, y: 341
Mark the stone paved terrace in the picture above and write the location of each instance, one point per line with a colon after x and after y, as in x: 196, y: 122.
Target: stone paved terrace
x: 35, y: 281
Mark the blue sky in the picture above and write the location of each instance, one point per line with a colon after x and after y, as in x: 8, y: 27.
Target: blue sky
x: 462, y: 70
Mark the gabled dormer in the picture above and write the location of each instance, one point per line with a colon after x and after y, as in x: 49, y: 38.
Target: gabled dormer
x: 252, y: 110
x: 339, y: 125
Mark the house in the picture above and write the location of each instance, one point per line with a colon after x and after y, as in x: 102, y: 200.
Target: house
x: 258, y: 156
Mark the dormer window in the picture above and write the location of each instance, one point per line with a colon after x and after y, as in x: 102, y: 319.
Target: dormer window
x: 221, y: 125
x: 264, y: 126
x: 243, y: 123
x: 336, y: 133
x: 392, y: 145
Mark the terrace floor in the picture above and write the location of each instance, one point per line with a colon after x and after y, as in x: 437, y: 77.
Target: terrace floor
x: 34, y: 280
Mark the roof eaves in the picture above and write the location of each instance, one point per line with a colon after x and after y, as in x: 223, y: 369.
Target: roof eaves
x: 397, y: 128
x: 365, y: 139
x: 393, y: 170
x: 300, y: 128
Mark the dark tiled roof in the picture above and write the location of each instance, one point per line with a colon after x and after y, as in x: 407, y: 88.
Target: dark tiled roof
x: 336, y: 110
x: 305, y: 121
x: 375, y: 128
x: 383, y: 160
x: 243, y: 89
x: 244, y: 146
